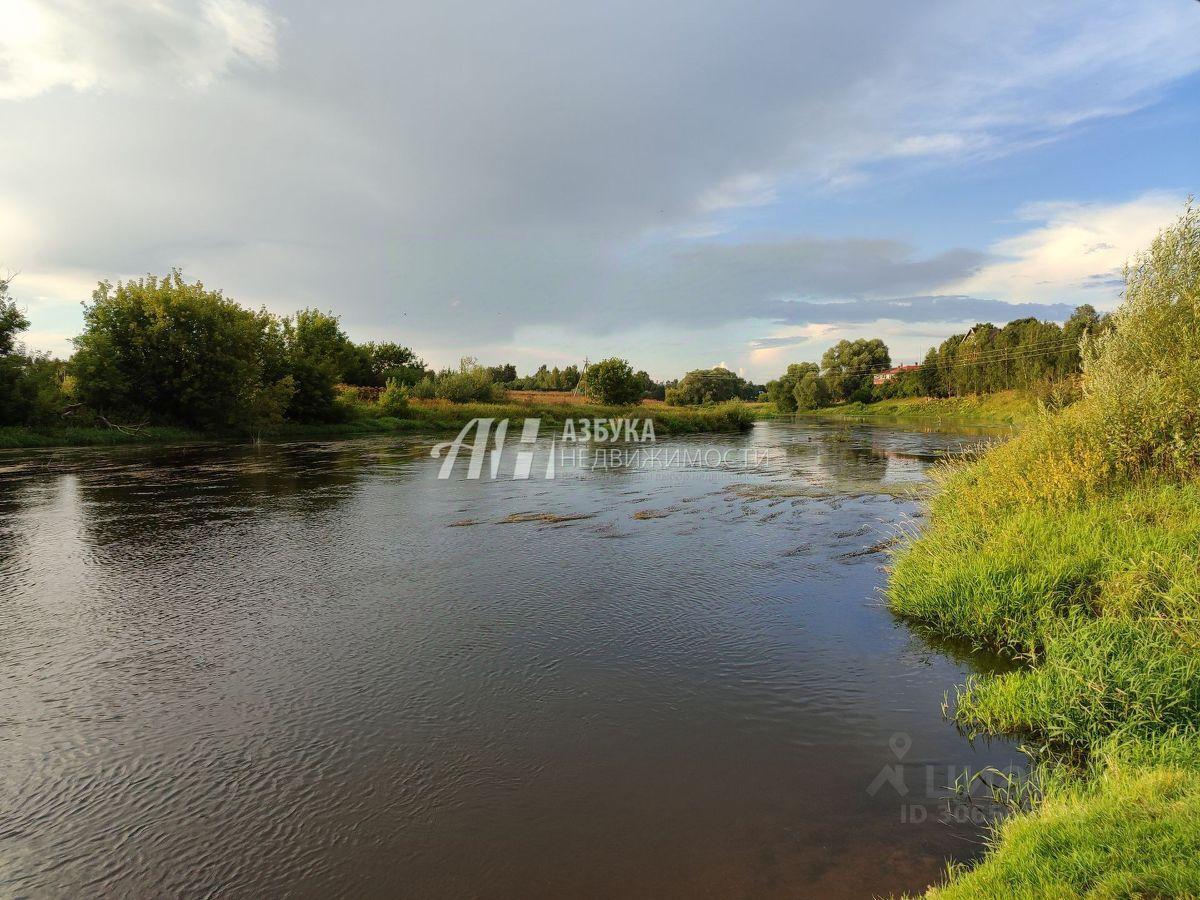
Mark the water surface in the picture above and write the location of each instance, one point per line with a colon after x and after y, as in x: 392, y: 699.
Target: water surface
x: 316, y: 669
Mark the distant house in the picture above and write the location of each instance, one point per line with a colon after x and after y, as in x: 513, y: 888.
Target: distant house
x: 888, y: 374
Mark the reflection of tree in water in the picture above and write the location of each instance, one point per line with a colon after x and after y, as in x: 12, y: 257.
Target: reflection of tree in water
x: 149, y: 548
x: 182, y: 490
x: 15, y: 498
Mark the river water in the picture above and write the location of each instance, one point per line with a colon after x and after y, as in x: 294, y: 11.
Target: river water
x: 317, y: 669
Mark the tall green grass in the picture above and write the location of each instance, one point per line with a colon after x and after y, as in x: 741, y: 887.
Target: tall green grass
x: 1075, y: 548
x: 1001, y: 408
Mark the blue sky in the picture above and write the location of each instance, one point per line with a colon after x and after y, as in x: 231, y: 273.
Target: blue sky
x: 531, y: 181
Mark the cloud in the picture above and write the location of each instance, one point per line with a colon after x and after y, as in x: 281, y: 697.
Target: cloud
x: 453, y: 174
x: 1074, y: 252
x: 84, y: 45
x: 953, y: 308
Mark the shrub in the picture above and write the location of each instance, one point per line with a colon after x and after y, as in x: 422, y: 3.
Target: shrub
x: 707, y: 386
x: 172, y: 352
x: 612, y: 381
x: 393, y: 401
x: 424, y: 389
x: 472, y: 383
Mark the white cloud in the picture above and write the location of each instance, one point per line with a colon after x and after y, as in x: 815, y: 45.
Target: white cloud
x: 747, y: 189
x: 945, y: 143
x: 1076, y: 252
x: 120, y: 44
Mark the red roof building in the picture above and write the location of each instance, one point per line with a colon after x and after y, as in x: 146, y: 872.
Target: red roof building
x: 888, y: 374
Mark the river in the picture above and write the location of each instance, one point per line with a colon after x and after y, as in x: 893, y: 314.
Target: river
x: 318, y: 669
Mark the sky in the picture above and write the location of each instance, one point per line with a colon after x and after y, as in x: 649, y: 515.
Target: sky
x: 683, y: 184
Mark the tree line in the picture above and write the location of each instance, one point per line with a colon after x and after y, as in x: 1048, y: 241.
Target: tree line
x: 1025, y: 353
x: 165, y: 351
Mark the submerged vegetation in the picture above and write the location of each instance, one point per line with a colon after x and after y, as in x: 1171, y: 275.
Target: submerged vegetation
x: 1076, y: 548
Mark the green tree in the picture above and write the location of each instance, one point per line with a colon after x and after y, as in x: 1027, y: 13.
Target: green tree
x: 16, y: 400
x: 811, y: 392
x: 782, y: 391
x: 173, y: 352
x: 706, y: 386
x: 12, y: 320
x: 611, y: 381
x: 503, y: 374
x: 388, y: 360
x: 319, y: 356
x: 848, y: 365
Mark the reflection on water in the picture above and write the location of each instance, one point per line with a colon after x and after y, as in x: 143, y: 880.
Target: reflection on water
x: 318, y: 669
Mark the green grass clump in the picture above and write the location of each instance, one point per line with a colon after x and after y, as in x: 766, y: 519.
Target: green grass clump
x: 1075, y: 547
x: 1129, y: 827
x: 1012, y: 407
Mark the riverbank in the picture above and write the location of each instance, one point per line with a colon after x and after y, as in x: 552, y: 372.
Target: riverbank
x: 1073, y: 548
x: 430, y: 416
x: 1099, y: 597
x: 1001, y: 408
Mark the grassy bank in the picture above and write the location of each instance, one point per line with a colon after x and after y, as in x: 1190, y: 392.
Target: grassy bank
x: 1075, y: 548
x: 1001, y: 408
x: 1100, y: 597
x: 429, y: 417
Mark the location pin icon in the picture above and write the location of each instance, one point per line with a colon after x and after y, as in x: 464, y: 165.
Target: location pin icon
x: 900, y: 743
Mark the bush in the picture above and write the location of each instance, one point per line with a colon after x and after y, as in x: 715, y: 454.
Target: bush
x: 394, y: 399
x: 1142, y: 376
x: 424, y: 389
x: 172, y: 352
x: 707, y: 386
x: 472, y: 383
x: 612, y: 382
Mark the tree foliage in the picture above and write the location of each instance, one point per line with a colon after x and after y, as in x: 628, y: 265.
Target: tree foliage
x: 166, y: 350
x: 811, y: 392
x: 612, y: 381
x: 848, y: 366
x: 782, y: 391
x: 389, y: 361
x: 708, y: 386
x: 545, y: 379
